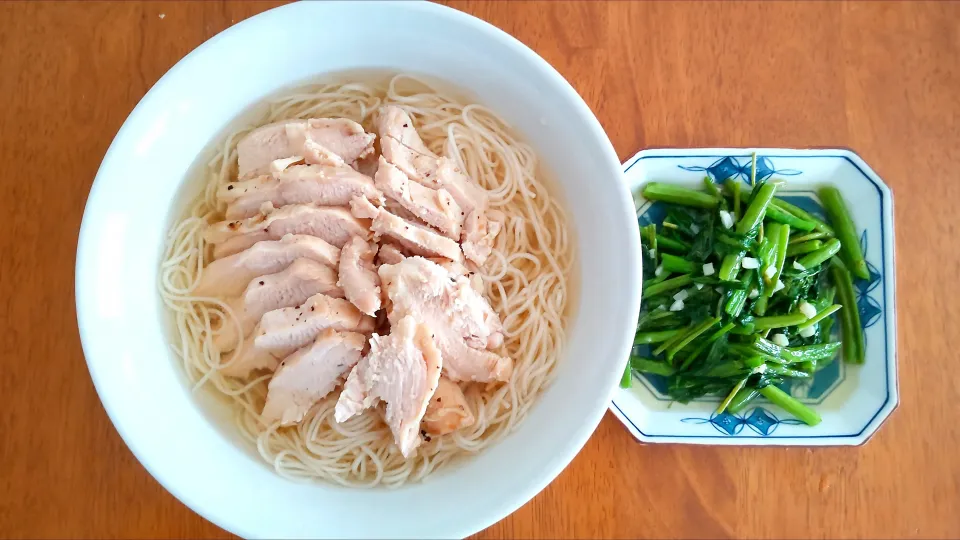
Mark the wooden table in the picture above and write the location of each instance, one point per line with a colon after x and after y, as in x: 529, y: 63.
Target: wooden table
x: 882, y: 78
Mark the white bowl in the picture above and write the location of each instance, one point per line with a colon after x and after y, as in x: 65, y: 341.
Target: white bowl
x: 854, y: 400
x: 120, y: 316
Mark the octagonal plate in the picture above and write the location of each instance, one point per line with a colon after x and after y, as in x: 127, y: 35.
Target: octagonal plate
x: 853, y: 400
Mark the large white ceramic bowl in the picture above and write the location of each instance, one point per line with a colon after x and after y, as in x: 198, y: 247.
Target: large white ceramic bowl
x: 179, y: 440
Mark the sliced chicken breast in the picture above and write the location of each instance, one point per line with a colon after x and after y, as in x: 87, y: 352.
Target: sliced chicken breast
x: 293, y: 327
x: 389, y: 254
x: 465, y: 191
x: 434, y: 207
x: 358, y: 275
x: 415, y: 238
x: 479, y: 233
x: 238, y: 243
x: 403, y: 370
x: 300, y: 184
x: 481, y: 326
x: 462, y: 323
x: 277, y: 166
x: 333, y: 224
x: 435, y: 173
x: 344, y: 138
x: 455, y: 268
x: 283, y: 331
x: 402, y: 146
x: 420, y: 165
x: 229, y: 276
x: 324, y: 141
x: 290, y: 287
x: 448, y: 409
x: 308, y: 375
x: 392, y: 254
x: 392, y: 121
x: 362, y: 208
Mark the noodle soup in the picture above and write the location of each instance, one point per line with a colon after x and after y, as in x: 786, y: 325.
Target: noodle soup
x: 526, y: 279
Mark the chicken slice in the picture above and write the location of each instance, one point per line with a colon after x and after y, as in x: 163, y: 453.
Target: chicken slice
x: 402, y: 146
x: 358, y: 276
x: 455, y: 268
x: 293, y: 327
x: 410, y: 236
x: 479, y: 233
x: 290, y: 287
x: 284, y: 330
x: 448, y: 410
x: 465, y: 191
x: 308, y: 375
x: 362, y: 208
x: 328, y: 141
x: 434, y: 207
x: 229, y: 276
x: 332, y: 186
x: 420, y: 166
x: 394, y: 122
x: 331, y: 223
x: 415, y: 238
x: 402, y: 369
x: 238, y: 243
x: 389, y: 254
x: 277, y: 166
x: 461, y: 321
x: 392, y: 254
x: 344, y: 138
x: 435, y: 173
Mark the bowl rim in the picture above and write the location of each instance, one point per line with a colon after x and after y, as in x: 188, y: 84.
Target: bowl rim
x: 85, y: 249
x: 886, y: 409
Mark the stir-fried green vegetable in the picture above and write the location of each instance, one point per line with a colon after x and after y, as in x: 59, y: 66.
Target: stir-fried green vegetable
x: 741, y: 290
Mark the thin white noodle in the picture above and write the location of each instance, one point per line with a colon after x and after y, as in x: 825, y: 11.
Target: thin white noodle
x: 525, y: 280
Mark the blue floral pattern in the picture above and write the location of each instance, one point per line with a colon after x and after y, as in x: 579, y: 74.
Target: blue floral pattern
x: 730, y: 167
x: 868, y: 307
x: 760, y: 421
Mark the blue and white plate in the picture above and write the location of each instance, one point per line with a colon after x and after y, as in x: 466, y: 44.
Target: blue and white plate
x: 853, y: 400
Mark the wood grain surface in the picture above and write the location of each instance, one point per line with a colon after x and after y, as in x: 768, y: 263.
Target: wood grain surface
x: 880, y: 77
